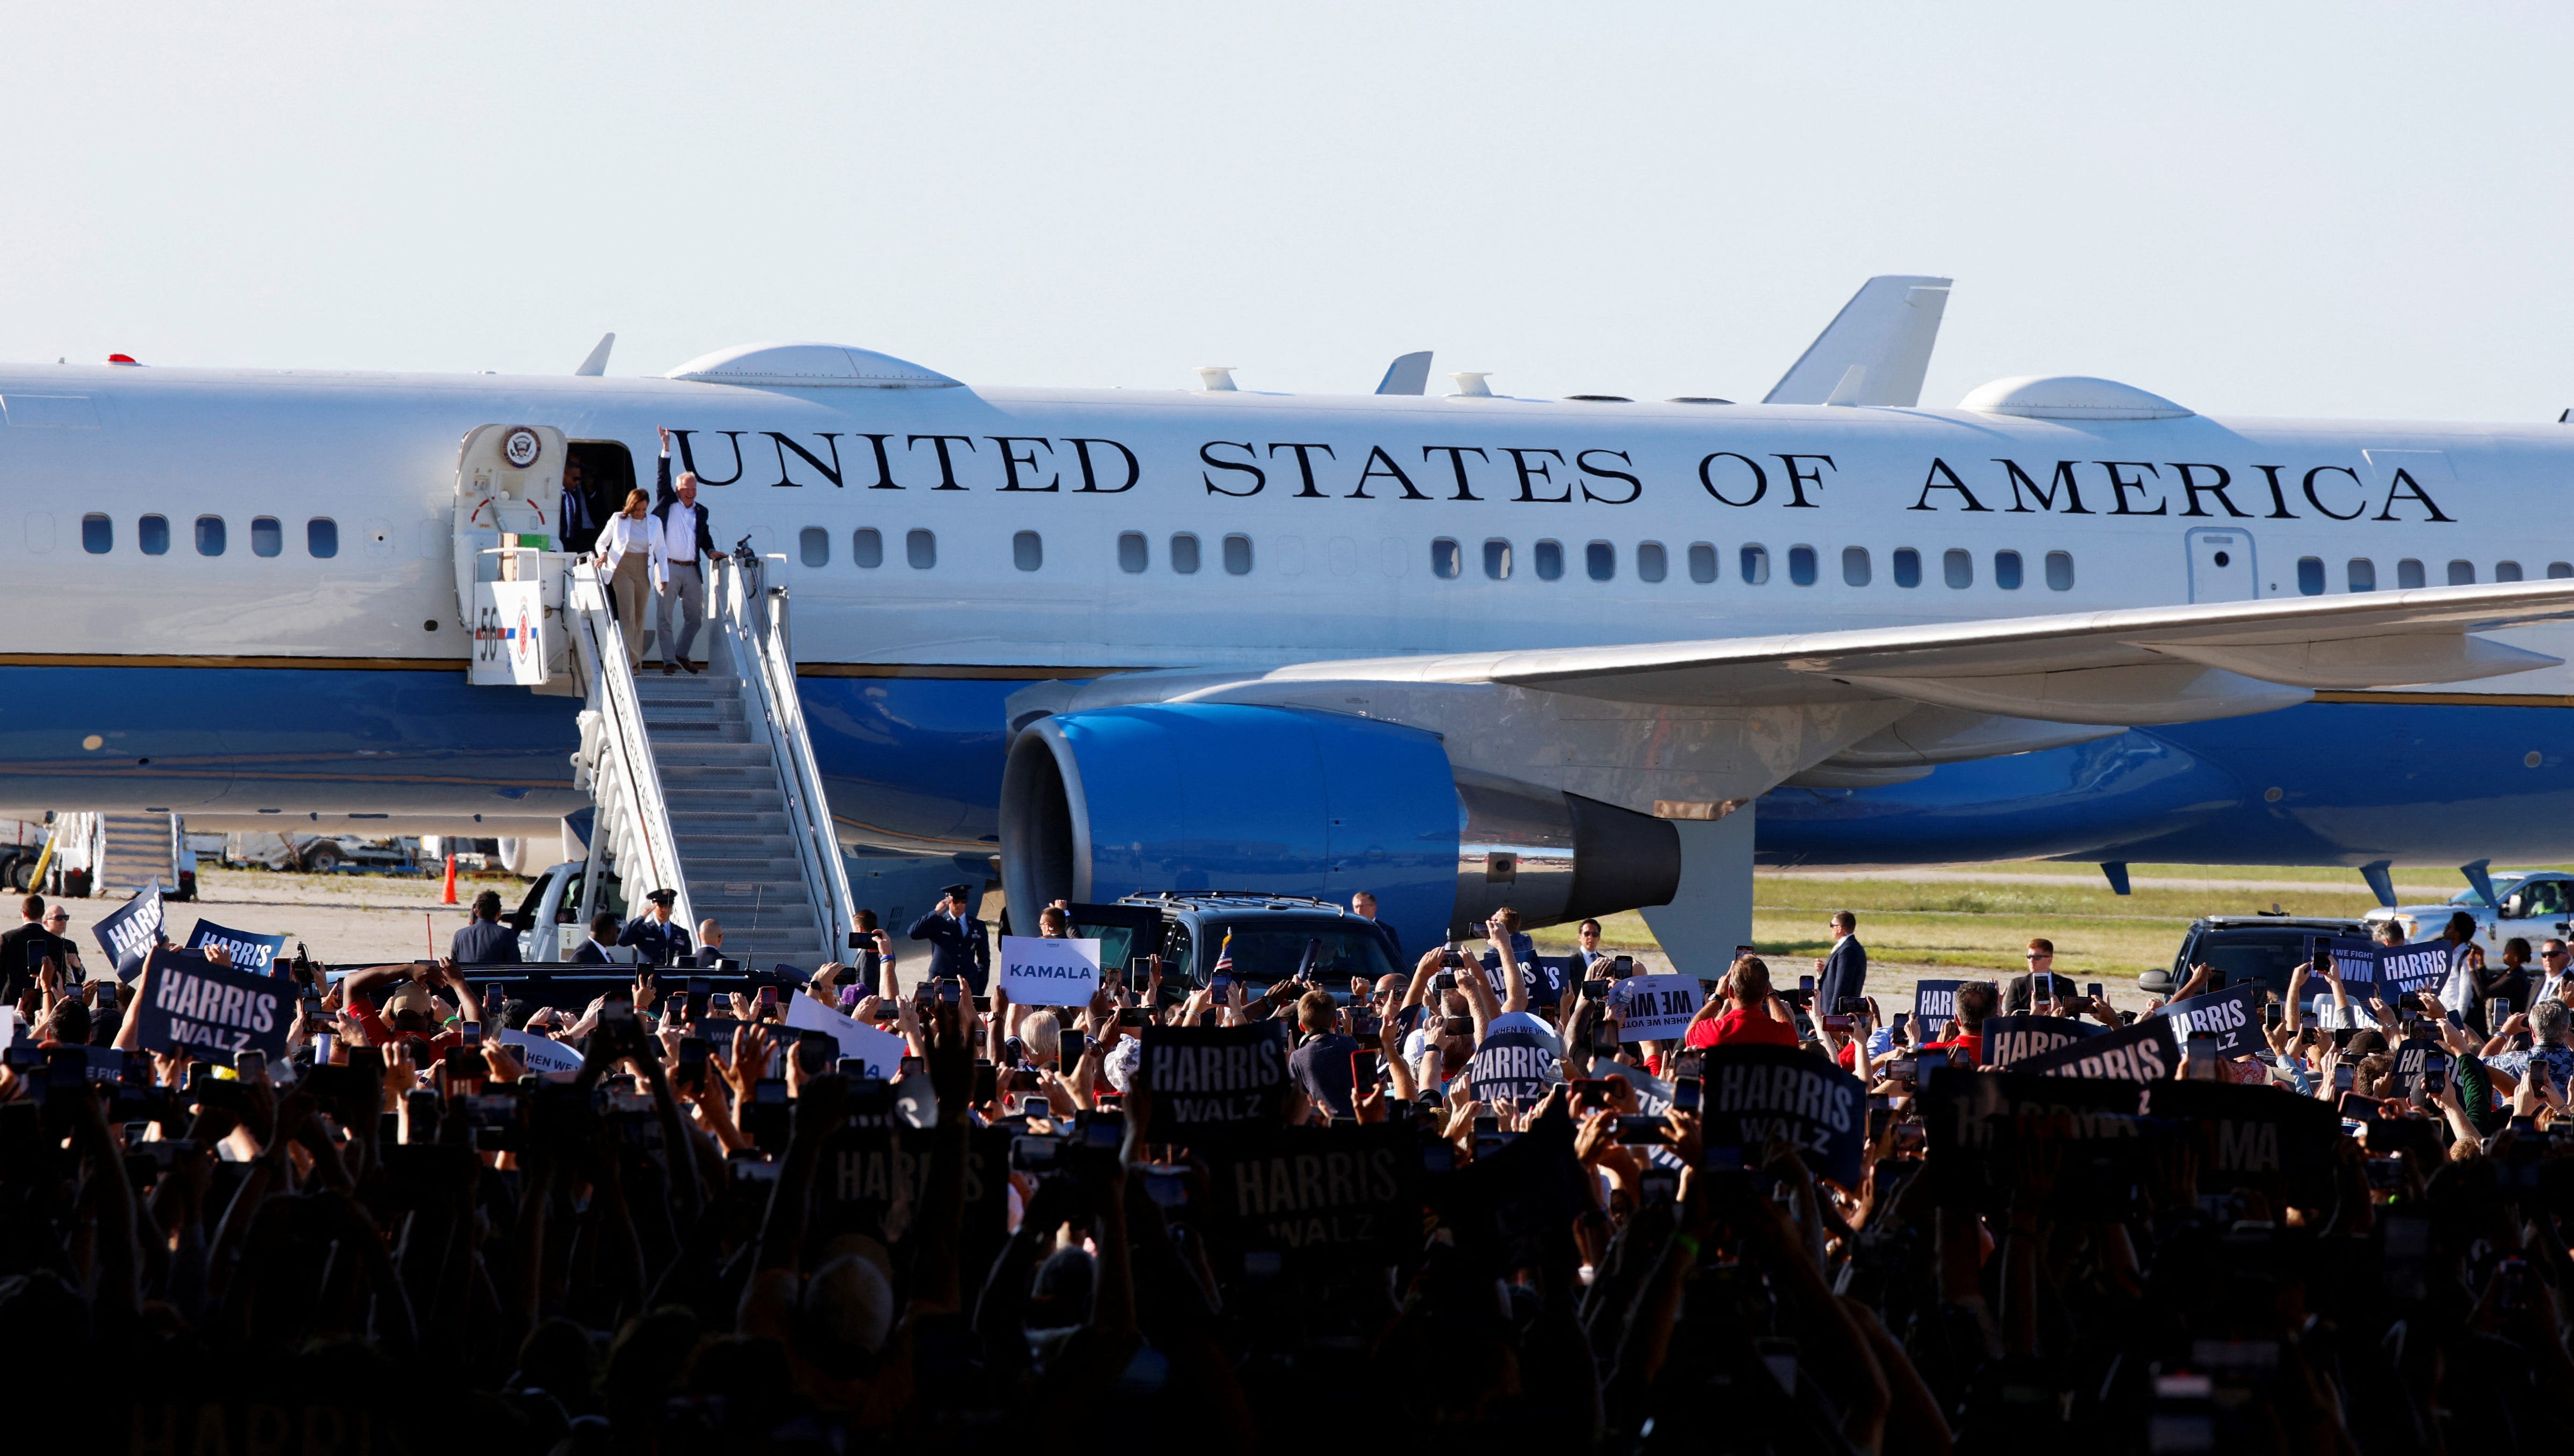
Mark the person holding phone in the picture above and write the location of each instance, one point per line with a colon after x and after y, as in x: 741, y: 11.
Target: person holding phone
x: 1743, y: 1009
x: 2547, y: 1025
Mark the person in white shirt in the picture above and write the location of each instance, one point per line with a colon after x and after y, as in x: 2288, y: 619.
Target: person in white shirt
x: 629, y: 559
x: 686, y: 545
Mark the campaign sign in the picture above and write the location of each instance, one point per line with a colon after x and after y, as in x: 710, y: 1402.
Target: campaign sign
x: 880, y: 1051
x: 873, y: 1180
x: 543, y: 1054
x: 1976, y: 1122
x: 134, y: 929
x: 1514, y: 1065
x: 190, y: 1002
x: 2148, y: 1051
x: 2417, y: 968
x: 2253, y: 1136
x: 1348, y: 1193
x: 2353, y: 957
x: 2233, y: 1016
x: 2009, y: 1040
x: 249, y: 952
x: 1656, y: 1008
x: 1935, y: 1003
x: 1210, y: 1083
x: 1041, y: 973
x: 1753, y: 1094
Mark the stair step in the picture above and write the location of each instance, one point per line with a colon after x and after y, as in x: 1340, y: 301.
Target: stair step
x: 702, y: 754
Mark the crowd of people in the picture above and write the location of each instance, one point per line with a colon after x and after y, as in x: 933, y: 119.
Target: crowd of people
x: 1466, y: 1199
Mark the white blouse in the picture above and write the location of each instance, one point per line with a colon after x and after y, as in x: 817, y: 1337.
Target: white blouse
x: 623, y: 535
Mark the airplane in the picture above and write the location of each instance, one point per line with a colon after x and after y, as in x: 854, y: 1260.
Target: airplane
x: 1461, y: 649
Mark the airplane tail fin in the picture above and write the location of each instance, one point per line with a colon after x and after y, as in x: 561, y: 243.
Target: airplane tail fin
x: 597, y: 363
x: 1875, y: 350
x: 1408, y: 375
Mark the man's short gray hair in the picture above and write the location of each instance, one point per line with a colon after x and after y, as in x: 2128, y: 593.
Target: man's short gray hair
x: 2547, y: 1021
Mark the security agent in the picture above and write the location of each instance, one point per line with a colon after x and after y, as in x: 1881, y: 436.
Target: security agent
x: 24, y: 951
x: 958, y: 945
x: 485, y: 940
x: 604, y: 928
x: 653, y: 937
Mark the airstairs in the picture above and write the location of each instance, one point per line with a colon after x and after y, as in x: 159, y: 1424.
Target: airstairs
x: 704, y: 784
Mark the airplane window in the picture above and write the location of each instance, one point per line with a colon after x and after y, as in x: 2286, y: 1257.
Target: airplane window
x: 1800, y: 564
x: 1651, y: 564
x: 2462, y: 574
x: 2409, y: 575
x: 2507, y: 571
x: 267, y: 537
x: 2059, y: 571
x: 1600, y: 559
x: 1132, y: 555
x: 1550, y: 559
x: 2361, y: 575
x: 1446, y: 561
x: 1027, y: 551
x: 98, y: 534
x: 1184, y: 554
x: 1237, y: 556
x: 1756, y: 566
x: 920, y: 548
x: 866, y: 547
x: 1957, y: 568
x: 1854, y: 571
x: 2559, y: 571
x: 1907, y: 567
x: 1703, y: 567
x: 814, y: 544
x: 321, y: 537
x: 2006, y: 570
x: 2311, y: 576
x: 152, y: 533
x: 1496, y: 559
x: 210, y: 536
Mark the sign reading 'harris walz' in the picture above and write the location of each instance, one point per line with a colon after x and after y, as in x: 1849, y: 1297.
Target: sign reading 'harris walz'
x: 1356, y: 471
x: 1210, y: 1083
x: 190, y: 1003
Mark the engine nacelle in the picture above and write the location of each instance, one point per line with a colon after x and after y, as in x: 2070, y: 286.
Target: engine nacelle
x: 1108, y: 801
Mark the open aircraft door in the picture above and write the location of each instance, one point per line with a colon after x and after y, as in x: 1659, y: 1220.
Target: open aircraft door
x: 509, y: 563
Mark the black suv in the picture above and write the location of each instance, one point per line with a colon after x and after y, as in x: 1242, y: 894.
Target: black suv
x: 2262, y: 948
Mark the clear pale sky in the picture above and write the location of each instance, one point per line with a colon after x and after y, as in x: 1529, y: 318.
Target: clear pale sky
x: 2345, y: 209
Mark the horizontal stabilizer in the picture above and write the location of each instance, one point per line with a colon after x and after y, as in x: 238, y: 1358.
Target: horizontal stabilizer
x: 1877, y: 349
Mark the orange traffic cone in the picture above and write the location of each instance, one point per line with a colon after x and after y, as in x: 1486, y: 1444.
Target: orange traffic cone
x: 450, y: 881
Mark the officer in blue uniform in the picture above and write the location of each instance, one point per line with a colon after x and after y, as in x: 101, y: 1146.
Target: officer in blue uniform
x: 958, y: 945
x: 653, y: 937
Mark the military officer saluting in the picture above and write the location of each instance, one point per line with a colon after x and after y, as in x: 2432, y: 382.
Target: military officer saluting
x: 958, y: 946
x: 656, y: 939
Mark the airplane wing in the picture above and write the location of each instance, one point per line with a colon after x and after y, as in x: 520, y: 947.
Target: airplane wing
x: 1875, y: 350
x: 2138, y: 665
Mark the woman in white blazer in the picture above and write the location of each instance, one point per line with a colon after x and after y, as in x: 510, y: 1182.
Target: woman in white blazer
x: 630, y: 559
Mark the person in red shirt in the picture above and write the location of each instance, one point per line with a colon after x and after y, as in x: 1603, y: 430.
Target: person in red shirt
x: 1966, y: 1044
x: 1741, y: 1011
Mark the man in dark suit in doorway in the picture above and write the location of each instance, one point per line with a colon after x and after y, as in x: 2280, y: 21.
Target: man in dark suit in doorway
x: 1843, y: 972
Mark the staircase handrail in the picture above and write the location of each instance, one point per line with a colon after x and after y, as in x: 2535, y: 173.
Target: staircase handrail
x: 626, y: 765
x: 753, y: 617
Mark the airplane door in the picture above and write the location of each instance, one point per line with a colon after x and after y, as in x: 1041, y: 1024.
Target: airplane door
x: 2221, y: 566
